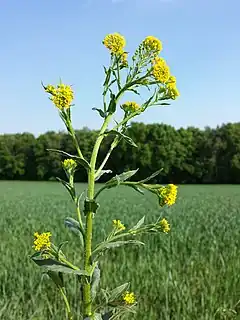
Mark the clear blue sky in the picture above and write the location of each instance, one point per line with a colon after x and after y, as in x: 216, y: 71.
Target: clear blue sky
x: 46, y: 40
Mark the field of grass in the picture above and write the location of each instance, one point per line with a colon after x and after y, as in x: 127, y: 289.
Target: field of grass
x: 193, y: 273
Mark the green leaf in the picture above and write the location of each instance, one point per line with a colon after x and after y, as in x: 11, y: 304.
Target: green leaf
x: 111, y: 245
x: 81, y: 161
x: 74, y: 226
x: 69, y: 188
x: 56, y: 277
x: 151, y: 176
x: 95, y: 282
x: 135, y: 91
x: 112, y: 105
x: 162, y: 104
x: 101, y: 173
x: 138, y: 225
x: 60, y: 247
x: 126, y: 138
x: 105, y: 295
x: 117, y: 292
x: 90, y: 206
x: 108, y: 75
x: 56, y: 266
x: 101, y: 112
x: 122, y: 177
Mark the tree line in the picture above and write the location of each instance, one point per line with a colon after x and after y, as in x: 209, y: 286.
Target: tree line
x: 188, y: 155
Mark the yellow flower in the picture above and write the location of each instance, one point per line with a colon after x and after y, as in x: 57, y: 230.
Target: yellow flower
x: 115, y: 42
x: 165, y: 225
x: 160, y: 70
x: 152, y: 44
x: 167, y: 195
x: 69, y: 164
x: 42, y: 241
x: 172, y: 80
x: 130, y: 106
x: 129, y: 297
x: 50, y: 89
x: 172, y: 90
x: 117, y: 224
x: 62, y: 95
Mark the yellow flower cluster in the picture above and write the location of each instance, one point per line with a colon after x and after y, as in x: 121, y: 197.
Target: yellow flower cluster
x: 129, y: 297
x: 172, y: 88
x: 42, y: 241
x: 115, y: 42
x: 117, y: 224
x: 130, y: 106
x: 152, y: 44
x: 69, y: 164
x: 165, y: 225
x: 160, y: 71
x: 167, y: 195
x: 62, y: 95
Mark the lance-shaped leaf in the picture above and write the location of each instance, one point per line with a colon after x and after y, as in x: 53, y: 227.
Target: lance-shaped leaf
x: 101, y: 173
x: 151, y: 176
x: 117, y: 292
x: 162, y: 104
x: 123, y: 136
x: 138, y: 225
x: 121, y: 177
x: 108, y: 75
x: 111, y: 245
x: 95, y: 281
x: 56, y: 266
x: 69, y: 188
x: 57, y: 278
x: 81, y: 161
x: 73, y: 225
x: 112, y: 105
x: 101, y: 112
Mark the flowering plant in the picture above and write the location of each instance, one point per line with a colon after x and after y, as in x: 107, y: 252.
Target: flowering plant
x: 148, y: 70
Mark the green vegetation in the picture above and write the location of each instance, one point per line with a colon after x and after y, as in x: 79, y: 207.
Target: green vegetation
x: 186, y: 155
x: 191, y: 273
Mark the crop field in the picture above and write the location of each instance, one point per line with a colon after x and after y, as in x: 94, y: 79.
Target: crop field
x: 192, y: 273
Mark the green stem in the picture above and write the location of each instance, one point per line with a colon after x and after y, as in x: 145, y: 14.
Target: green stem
x: 72, y: 132
x: 118, y: 76
x: 99, y: 191
x: 125, y: 120
x: 89, y: 219
x: 113, y: 145
x: 71, y: 182
x: 68, y: 263
x: 67, y: 305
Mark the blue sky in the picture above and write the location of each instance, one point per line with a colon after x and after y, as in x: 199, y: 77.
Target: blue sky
x: 46, y: 40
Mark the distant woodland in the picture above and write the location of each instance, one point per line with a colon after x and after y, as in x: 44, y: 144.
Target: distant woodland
x: 186, y: 155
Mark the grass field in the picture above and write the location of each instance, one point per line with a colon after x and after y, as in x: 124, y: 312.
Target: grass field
x: 191, y: 274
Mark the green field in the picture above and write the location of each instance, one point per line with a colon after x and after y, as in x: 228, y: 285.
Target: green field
x: 190, y: 274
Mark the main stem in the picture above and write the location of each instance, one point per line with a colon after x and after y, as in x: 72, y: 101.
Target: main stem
x: 89, y: 218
